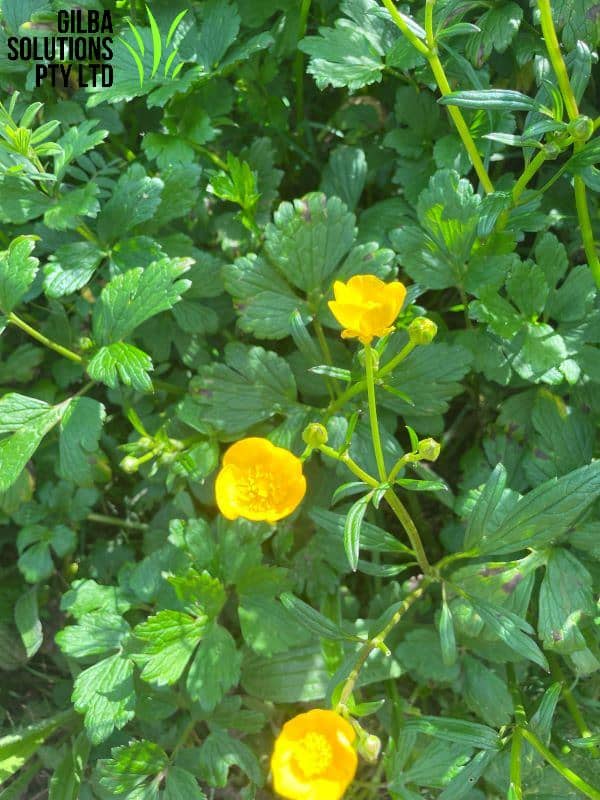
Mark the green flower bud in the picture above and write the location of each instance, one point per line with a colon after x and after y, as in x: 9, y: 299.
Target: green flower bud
x: 552, y: 150
x: 369, y: 748
x: 84, y: 343
x: 429, y: 449
x: 129, y: 464
x: 581, y: 128
x: 422, y: 330
x: 315, y: 434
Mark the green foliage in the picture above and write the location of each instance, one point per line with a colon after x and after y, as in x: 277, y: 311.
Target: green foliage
x: 168, y: 251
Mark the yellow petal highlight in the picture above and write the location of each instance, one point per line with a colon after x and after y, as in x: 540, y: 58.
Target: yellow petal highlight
x: 259, y: 481
x: 366, y: 306
x: 314, y: 757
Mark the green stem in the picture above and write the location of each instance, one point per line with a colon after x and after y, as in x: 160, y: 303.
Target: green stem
x: 556, y: 59
x: 332, y: 385
x: 378, y: 642
x: 394, y: 502
x: 299, y: 64
x: 571, y: 703
x: 411, y: 531
x: 562, y: 76
x: 375, y: 436
x: 575, y: 780
x: 102, y: 519
x: 534, y: 165
x: 361, y: 385
x: 402, y: 24
x: 585, y: 224
x: 515, y: 765
x: 455, y: 113
x: 58, y: 348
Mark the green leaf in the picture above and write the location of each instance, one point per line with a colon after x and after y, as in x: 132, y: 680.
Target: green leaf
x: 27, y: 620
x: 220, y: 752
x: 135, y: 199
x: 105, y: 694
x: 313, y: 620
x: 436, y: 253
x: 267, y: 627
x: 372, y: 537
x: 20, y: 201
x: 307, y: 239
x: 17, y: 272
x: 421, y: 654
x: 85, y: 596
x: 215, y: 668
x: 352, y: 528
x: 77, y: 140
x: 170, y: 638
x: 122, y: 362
x: 471, y: 734
x: 527, y: 288
x: 181, y: 785
x: 352, y: 53
x: 16, y: 748
x: 486, y: 693
x: 96, y: 633
x: 128, y: 770
x: 253, y: 385
x: 462, y: 784
x: 447, y: 636
x: 137, y: 295
x: 480, y: 523
x: 34, y: 543
x: 547, y: 512
x: 66, y: 212
x: 497, y: 28
x: 80, y: 429
x: 66, y: 780
x: 491, y: 100
x: 511, y: 629
x: 70, y: 268
x: 345, y: 174
x: 565, y: 597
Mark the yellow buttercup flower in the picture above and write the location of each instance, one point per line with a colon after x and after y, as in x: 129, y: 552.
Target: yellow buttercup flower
x: 314, y: 757
x: 259, y: 481
x: 366, y: 306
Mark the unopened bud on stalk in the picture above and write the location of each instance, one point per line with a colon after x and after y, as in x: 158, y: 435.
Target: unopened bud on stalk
x: 369, y: 748
x: 422, y: 330
x: 581, y: 128
x: 129, y: 464
x: 315, y: 434
x: 429, y: 449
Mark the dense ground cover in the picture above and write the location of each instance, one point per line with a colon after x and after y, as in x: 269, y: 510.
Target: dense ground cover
x: 408, y: 545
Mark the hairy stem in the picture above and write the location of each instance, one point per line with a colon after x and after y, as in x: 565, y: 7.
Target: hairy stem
x: 376, y: 438
x: 575, y: 780
x: 50, y: 343
x: 378, y: 641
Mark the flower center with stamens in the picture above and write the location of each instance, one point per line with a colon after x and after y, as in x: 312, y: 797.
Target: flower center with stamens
x: 259, y: 489
x: 313, y: 754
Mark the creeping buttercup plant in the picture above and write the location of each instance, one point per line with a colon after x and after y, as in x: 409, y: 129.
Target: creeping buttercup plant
x: 299, y: 375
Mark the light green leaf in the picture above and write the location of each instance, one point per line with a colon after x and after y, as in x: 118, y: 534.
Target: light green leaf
x: 253, y: 385
x: 96, y: 633
x: 124, y: 362
x: 27, y: 620
x: 220, y: 752
x: 69, y: 207
x: 345, y: 174
x: 215, y: 668
x: 66, y: 780
x: 34, y: 543
x: 565, y: 597
x: 308, y: 239
x: 471, y: 734
x: 17, y: 748
x: 17, y: 271
x: 181, y: 785
x: 105, y: 694
x: 70, y: 267
x: 135, y: 199
x: 80, y: 429
x: 547, y: 512
x: 132, y: 298
x: 127, y: 772
x: 169, y: 640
